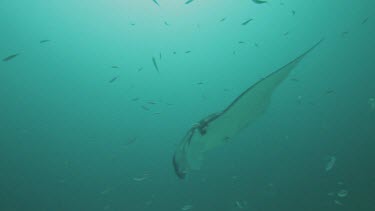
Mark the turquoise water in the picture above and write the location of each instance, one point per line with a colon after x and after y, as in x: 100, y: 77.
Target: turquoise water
x: 88, y: 123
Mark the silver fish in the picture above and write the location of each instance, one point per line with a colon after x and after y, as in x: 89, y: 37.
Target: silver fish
x: 155, y: 64
x: 156, y: 2
x: 10, y: 57
x: 246, y: 22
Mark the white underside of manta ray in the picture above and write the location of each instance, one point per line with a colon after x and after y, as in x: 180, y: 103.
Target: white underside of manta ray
x: 219, y: 128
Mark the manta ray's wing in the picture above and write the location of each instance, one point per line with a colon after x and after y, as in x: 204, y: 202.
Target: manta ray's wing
x: 219, y: 128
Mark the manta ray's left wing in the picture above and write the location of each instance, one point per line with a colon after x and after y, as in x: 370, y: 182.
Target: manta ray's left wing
x: 219, y: 128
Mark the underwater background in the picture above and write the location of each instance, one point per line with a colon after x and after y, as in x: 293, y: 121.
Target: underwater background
x: 95, y: 95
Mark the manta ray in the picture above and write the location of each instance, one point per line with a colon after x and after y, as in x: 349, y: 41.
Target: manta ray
x: 219, y: 128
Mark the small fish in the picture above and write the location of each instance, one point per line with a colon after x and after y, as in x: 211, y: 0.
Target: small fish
x: 240, y: 204
x: 241, y: 42
x: 365, y: 20
x: 160, y: 56
x: 294, y: 79
x: 166, y: 23
x: 223, y: 19
x: 338, y: 202
x: 329, y: 91
x: 140, y: 69
x: 132, y: 24
x: 293, y: 12
x: 155, y: 64
x: 286, y: 34
x: 331, y: 194
x: 145, y: 108
x: 187, y: 207
x: 156, y: 2
x: 135, y: 99
x: 131, y: 141
x: 344, y: 33
x: 151, y: 102
x: 139, y: 179
x: 246, y: 22
x: 187, y: 51
x: 174, y: 52
x: 113, y: 79
x: 256, y: 44
x: 106, y: 191
x: 44, y: 41
x: 342, y: 193
x: 260, y: 1
x: 200, y: 83
x: 115, y: 67
x: 330, y: 163
x: 371, y: 102
x: 10, y: 57
x: 299, y: 100
x: 189, y: 1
